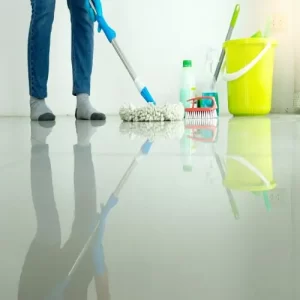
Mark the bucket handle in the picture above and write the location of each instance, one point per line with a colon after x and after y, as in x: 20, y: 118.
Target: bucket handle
x: 246, y: 69
x: 248, y: 165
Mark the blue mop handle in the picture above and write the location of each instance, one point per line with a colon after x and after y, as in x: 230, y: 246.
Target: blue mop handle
x: 111, y: 37
x: 108, y: 31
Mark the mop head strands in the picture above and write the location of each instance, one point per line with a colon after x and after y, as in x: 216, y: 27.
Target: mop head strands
x: 153, y: 130
x: 152, y: 113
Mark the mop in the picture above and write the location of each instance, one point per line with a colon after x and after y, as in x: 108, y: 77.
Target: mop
x: 128, y: 112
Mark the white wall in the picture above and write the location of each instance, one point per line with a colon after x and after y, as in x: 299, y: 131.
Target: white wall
x: 156, y: 35
x: 297, y: 46
x: 285, y: 59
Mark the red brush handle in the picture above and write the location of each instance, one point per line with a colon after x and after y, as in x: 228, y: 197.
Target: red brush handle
x: 196, y: 99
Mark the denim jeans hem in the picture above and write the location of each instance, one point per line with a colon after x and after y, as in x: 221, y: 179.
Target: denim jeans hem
x: 39, y: 46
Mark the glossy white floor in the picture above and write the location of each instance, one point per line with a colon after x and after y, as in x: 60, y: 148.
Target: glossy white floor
x: 212, y: 212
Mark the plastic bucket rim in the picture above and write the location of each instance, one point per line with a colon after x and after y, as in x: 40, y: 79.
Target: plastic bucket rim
x: 251, y: 41
x: 234, y: 185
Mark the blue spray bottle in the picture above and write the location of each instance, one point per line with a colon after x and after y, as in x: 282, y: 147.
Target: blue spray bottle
x: 208, y: 91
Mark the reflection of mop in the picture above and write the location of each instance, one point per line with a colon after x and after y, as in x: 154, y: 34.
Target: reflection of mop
x: 111, y: 202
x: 145, y: 149
x: 232, y: 202
x: 154, y: 130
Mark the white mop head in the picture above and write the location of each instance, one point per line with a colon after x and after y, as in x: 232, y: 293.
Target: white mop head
x: 153, y: 130
x: 152, y: 113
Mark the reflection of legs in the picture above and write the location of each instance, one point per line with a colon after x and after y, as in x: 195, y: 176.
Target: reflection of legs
x: 40, y: 271
x: 84, y: 222
x: 85, y: 189
x: 48, y: 227
x: 86, y: 130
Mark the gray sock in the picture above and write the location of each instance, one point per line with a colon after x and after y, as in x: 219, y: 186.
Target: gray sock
x: 85, y: 111
x: 39, y: 111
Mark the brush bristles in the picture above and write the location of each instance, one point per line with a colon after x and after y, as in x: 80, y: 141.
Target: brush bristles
x: 201, y: 114
x: 202, y: 122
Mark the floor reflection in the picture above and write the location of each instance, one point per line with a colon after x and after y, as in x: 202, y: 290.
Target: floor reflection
x: 248, y: 164
x: 55, y: 271
x: 249, y: 159
x: 178, y: 221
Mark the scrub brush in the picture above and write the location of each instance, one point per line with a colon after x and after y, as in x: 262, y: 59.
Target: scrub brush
x: 129, y: 113
x: 201, y: 112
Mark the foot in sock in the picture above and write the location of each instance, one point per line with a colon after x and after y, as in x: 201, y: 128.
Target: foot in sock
x: 40, y: 131
x: 39, y: 111
x: 85, y: 131
x: 85, y: 111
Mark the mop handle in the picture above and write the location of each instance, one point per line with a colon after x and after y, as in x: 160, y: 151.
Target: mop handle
x: 111, y: 37
x: 228, y: 37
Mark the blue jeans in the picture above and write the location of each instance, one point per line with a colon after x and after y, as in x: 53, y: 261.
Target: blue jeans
x: 39, y: 46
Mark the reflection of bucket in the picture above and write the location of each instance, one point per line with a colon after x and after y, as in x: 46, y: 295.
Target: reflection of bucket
x: 249, y: 155
x: 250, y: 64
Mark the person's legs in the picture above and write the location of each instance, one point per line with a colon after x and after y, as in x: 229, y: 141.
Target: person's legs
x: 82, y: 59
x: 38, y: 57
